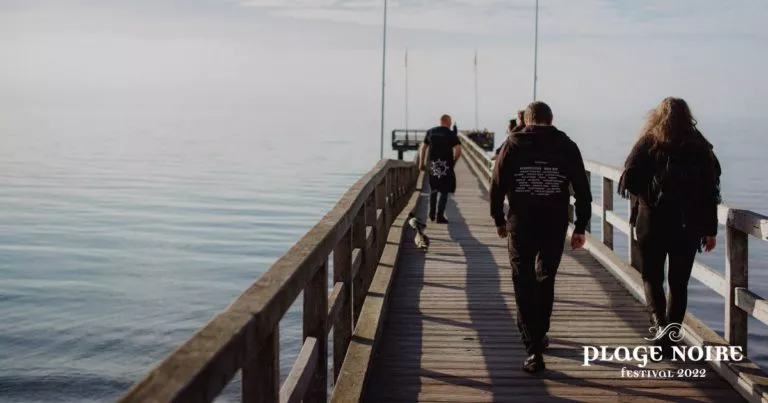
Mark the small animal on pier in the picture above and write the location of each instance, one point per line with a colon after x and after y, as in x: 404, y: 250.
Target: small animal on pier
x: 420, y: 239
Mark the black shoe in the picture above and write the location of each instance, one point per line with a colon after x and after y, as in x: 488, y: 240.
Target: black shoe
x: 432, y: 217
x: 534, y: 363
x: 442, y: 220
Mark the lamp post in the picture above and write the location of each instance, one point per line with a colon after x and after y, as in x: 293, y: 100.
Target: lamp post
x: 536, y: 52
x: 383, y: 78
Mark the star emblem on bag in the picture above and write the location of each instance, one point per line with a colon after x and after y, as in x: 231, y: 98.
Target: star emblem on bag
x: 439, y: 168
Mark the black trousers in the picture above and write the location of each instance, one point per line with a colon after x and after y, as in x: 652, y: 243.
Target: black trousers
x: 660, y: 235
x: 535, y: 250
x: 439, y: 200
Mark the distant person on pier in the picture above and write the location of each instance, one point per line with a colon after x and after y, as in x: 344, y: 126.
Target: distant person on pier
x: 534, y: 171
x: 438, y: 154
x: 673, y: 179
x: 515, y: 125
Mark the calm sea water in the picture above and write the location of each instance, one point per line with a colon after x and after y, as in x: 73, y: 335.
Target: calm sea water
x: 118, y: 241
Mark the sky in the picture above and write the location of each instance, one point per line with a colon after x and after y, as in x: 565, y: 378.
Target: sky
x: 317, y: 63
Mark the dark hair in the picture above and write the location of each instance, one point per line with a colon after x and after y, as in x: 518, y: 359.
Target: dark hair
x: 538, y: 112
x: 512, y: 124
x: 672, y: 124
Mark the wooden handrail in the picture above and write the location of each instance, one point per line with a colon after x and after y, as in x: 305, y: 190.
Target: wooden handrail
x: 740, y: 302
x: 245, y: 336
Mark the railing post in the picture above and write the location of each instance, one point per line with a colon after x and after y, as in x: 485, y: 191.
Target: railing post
x: 398, y: 184
x: 736, y: 275
x: 381, y: 229
x: 315, y: 318
x: 342, y: 328
x: 261, y: 374
x: 632, y: 246
x: 371, y: 253
x: 358, y: 242
x: 607, y: 230
x: 589, y: 183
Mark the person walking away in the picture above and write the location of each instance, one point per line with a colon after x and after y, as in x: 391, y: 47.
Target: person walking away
x: 515, y: 125
x: 441, y: 149
x: 534, y: 171
x: 672, y: 177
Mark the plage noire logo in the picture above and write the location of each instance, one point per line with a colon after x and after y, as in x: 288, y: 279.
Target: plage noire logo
x: 641, y: 355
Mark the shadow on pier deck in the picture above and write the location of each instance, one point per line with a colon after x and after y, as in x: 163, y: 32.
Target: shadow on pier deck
x: 450, y: 333
x: 439, y: 326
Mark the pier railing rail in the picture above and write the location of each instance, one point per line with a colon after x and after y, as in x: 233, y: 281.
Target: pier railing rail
x: 740, y: 225
x: 245, y: 336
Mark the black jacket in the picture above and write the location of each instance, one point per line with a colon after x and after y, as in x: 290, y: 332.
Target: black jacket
x: 682, y: 181
x: 535, y: 169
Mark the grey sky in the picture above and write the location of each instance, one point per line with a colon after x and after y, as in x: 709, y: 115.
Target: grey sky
x: 599, y: 59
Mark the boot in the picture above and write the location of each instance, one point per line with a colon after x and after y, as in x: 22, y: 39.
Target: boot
x: 534, y: 363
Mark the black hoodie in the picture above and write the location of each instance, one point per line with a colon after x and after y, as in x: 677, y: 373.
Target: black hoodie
x: 679, y: 179
x: 535, y: 169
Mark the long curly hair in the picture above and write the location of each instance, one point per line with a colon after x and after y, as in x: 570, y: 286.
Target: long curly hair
x: 670, y: 129
x: 672, y: 124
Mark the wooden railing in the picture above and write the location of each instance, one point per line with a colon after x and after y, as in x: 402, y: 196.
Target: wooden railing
x: 746, y: 377
x: 246, y: 335
x: 740, y: 303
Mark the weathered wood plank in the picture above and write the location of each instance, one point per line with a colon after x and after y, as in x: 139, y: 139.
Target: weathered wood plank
x: 315, y: 314
x: 298, y: 381
x: 744, y: 220
x: 736, y: 275
x: 202, y: 366
x: 752, y: 304
x: 357, y: 260
x: 261, y: 375
x: 709, y: 277
x: 607, y: 228
x: 335, y: 302
x: 340, y: 306
x: 450, y: 331
x: 355, y: 370
x: 360, y: 242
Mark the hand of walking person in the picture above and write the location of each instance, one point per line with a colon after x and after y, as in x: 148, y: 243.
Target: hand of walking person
x: 709, y: 243
x: 577, y: 241
x: 502, y: 231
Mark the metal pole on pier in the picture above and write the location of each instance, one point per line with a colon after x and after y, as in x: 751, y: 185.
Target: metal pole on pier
x: 477, y: 124
x: 406, y: 91
x: 536, y: 52
x: 383, y: 78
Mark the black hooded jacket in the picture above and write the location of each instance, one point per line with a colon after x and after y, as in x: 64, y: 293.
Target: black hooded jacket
x: 535, y: 170
x: 681, y: 181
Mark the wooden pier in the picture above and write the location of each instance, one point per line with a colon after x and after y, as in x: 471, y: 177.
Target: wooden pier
x: 439, y: 326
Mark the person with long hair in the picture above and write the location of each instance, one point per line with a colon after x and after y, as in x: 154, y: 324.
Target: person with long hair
x: 515, y: 125
x: 672, y: 177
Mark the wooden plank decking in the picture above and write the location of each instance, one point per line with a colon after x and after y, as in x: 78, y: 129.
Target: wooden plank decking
x: 450, y: 332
